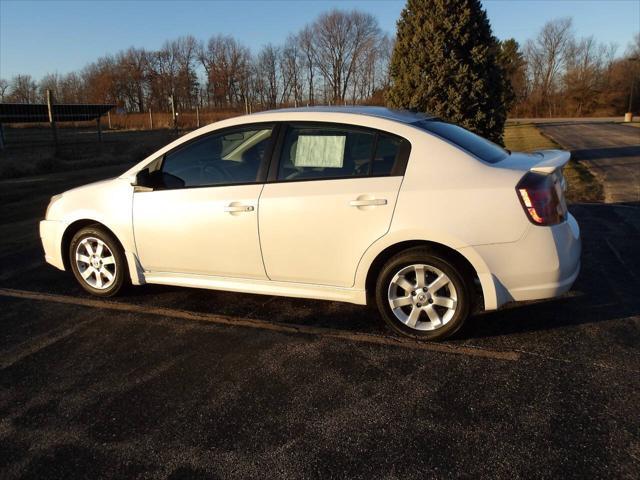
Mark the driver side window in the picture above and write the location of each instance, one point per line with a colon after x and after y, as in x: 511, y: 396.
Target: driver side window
x: 225, y: 158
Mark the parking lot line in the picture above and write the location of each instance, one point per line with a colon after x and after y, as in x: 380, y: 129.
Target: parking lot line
x: 261, y: 324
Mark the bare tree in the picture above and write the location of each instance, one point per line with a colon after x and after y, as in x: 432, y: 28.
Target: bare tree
x: 586, y: 66
x: 307, y: 49
x: 267, y: 83
x: 23, y: 89
x: 186, y: 87
x: 72, y: 89
x: 4, y: 86
x: 385, y: 48
x: 100, y: 80
x: 371, y: 74
x: 226, y: 63
x: 292, y: 66
x: 172, y: 74
x: 133, y: 77
x: 546, y: 55
x: 341, y: 40
x: 50, y: 81
x: 633, y: 50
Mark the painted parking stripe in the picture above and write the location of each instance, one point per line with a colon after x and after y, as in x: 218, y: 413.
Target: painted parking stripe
x: 261, y: 324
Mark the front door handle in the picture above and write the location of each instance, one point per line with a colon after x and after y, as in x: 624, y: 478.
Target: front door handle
x: 368, y: 202
x: 238, y: 208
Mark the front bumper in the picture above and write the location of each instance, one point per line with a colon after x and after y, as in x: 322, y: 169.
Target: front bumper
x: 51, y: 236
x: 543, y: 264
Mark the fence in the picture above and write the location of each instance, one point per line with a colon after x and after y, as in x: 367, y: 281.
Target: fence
x: 156, y: 120
x: 68, y: 135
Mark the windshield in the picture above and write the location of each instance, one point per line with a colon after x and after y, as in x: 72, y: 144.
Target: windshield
x: 472, y: 143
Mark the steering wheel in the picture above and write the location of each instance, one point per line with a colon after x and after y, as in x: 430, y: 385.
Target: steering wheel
x: 221, y: 172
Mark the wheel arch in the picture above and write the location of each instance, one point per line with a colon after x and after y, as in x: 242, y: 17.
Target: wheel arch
x: 74, y: 228
x: 462, y: 262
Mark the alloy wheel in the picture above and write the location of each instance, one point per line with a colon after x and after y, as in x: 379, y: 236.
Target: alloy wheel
x: 96, y: 263
x: 422, y: 297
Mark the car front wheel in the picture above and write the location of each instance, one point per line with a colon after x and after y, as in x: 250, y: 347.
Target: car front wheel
x: 97, y: 261
x: 421, y: 294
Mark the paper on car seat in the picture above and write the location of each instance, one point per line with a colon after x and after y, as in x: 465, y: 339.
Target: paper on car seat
x: 320, y: 151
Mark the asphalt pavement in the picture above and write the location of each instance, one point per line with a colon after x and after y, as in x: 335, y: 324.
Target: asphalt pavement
x: 166, y: 382
x: 611, y: 151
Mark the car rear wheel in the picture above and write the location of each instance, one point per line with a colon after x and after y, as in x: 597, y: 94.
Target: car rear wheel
x: 421, y: 294
x: 97, y: 261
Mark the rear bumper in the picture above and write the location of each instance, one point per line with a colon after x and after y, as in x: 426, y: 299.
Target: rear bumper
x: 543, y: 264
x: 51, y: 238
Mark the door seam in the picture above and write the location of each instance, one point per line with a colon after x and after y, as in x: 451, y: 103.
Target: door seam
x: 264, y: 265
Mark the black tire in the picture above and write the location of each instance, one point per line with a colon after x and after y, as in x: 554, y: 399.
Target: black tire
x: 424, y: 256
x: 119, y: 270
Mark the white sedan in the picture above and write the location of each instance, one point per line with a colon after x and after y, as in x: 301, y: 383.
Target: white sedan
x: 421, y: 217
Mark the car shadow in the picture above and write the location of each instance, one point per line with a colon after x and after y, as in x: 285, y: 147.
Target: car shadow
x: 607, y: 152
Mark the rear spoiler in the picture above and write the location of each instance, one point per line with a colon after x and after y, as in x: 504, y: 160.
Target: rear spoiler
x: 551, y: 161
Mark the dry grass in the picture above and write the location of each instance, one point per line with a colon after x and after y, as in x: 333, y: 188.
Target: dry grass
x: 526, y: 138
x: 582, y: 184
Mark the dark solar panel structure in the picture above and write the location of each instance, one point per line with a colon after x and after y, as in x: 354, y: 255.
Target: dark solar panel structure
x: 36, y: 113
x: 50, y: 113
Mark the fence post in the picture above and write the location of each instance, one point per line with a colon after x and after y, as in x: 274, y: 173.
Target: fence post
x: 99, y: 129
x: 52, y: 121
x: 109, y: 118
x: 197, y: 117
x: 173, y: 115
x: 150, y: 120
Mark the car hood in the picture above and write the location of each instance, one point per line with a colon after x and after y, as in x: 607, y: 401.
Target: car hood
x: 89, y: 186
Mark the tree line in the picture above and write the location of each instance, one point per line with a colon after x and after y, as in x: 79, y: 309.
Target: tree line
x: 341, y: 57
x: 557, y: 74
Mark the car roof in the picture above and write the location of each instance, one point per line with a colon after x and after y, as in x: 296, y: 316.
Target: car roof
x: 402, y: 116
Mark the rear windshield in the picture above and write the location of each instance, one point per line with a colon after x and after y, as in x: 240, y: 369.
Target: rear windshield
x: 472, y: 143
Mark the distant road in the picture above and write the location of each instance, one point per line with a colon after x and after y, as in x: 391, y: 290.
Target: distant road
x: 611, y: 151
x: 571, y: 120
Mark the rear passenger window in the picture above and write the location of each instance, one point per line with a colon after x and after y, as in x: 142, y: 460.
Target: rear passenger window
x: 388, y: 150
x: 325, y: 152
x: 338, y: 151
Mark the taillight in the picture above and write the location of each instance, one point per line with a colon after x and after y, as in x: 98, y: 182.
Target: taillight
x: 542, y: 198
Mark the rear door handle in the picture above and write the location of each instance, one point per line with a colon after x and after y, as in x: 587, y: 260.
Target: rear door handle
x: 367, y: 203
x: 238, y: 208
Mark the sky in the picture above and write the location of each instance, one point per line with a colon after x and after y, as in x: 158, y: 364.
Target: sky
x: 39, y: 37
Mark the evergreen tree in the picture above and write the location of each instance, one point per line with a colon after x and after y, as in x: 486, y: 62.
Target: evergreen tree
x: 445, y: 63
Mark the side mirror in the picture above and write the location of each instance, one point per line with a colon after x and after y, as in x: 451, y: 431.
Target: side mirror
x: 147, y: 181
x: 144, y: 181
x: 142, y: 178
